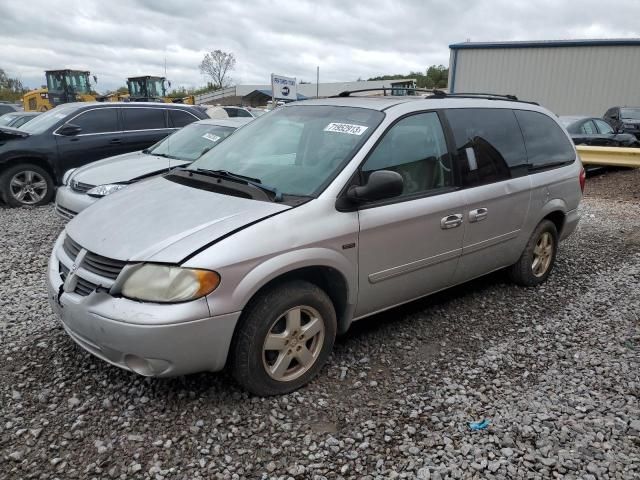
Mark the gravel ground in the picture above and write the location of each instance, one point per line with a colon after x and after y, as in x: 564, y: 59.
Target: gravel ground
x: 554, y: 370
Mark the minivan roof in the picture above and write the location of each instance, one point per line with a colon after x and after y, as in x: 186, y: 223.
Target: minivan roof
x: 385, y: 102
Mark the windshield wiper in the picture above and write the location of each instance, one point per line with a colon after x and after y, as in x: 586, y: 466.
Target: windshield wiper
x: 165, y: 155
x: 255, y: 182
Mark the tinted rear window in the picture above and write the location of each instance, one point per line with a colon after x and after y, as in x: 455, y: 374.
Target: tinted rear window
x: 546, y: 143
x: 143, y: 118
x: 489, y: 144
x: 180, y: 119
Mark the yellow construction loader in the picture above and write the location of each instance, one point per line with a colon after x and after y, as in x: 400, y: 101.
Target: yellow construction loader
x: 63, y: 86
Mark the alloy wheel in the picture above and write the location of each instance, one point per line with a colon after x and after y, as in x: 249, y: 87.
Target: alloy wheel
x: 293, y: 343
x: 28, y: 187
x: 542, y: 254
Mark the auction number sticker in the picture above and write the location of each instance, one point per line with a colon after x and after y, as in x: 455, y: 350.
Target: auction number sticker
x: 211, y: 136
x: 345, y: 128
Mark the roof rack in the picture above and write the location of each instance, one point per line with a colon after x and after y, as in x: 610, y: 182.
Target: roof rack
x: 435, y: 93
x: 347, y: 93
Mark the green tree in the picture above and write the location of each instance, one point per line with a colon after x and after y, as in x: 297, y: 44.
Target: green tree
x: 11, y: 89
x: 436, y: 76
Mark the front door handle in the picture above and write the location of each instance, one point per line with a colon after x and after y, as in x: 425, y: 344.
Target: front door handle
x: 478, y: 214
x: 451, y: 221
x: 115, y: 141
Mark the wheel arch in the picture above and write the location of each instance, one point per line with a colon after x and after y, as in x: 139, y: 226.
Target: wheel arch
x: 30, y: 159
x: 323, y: 267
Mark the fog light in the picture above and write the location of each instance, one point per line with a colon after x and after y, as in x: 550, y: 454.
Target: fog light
x: 148, y: 367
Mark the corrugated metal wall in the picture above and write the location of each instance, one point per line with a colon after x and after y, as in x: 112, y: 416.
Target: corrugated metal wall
x: 567, y: 80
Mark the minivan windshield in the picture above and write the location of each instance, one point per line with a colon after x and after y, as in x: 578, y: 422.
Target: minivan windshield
x: 191, y: 142
x: 630, y: 113
x: 296, y: 149
x: 48, y: 119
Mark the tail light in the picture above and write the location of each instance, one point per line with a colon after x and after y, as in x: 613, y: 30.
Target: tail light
x: 583, y: 178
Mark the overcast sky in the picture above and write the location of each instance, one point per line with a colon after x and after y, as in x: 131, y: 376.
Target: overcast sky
x: 115, y: 39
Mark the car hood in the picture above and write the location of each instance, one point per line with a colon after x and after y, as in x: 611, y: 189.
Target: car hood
x: 124, y: 168
x: 162, y: 221
x: 8, y: 133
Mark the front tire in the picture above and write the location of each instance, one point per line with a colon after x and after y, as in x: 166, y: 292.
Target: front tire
x: 284, y: 338
x: 26, y: 185
x: 539, y: 256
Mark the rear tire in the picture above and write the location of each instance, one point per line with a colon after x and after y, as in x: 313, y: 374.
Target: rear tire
x: 26, y: 185
x: 284, y: 338
x: 537, y: 259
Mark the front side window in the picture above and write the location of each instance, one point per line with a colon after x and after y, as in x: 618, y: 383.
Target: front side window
x: 103, y: 120
x: 489, y: 144
x: 297, y: 149
x: 604, y: 127
x: 143, y: 118
x: 191, y: 142
x: 547, y: 145
x: 414, y: 147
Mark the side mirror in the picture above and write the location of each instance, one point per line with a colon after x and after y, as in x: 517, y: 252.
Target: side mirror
x: 381, y: 184
x: 69, y: 130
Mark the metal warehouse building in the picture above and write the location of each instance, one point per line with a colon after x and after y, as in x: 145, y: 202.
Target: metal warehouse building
x: 566, y: 76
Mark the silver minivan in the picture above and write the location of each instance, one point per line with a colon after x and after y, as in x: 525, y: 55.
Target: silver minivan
x: 313, y: 216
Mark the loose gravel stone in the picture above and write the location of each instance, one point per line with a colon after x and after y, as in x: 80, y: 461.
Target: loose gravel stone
x: 554, y: 369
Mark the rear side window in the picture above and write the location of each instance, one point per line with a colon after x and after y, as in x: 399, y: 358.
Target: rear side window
x: 603, y: 126
x: 232, y: 112
x: 179, y: 118
x: 588, y: 128
x: 143, y: 118
x: 489, y: 145
x: 102, y: 120
x: 547, y: 145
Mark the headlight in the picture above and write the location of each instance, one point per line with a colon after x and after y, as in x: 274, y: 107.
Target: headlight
x: 67, y: 176
x: 104, y: 190
x: 164, y: 284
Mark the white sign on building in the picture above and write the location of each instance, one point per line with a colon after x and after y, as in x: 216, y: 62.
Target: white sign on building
x: 284, y: 88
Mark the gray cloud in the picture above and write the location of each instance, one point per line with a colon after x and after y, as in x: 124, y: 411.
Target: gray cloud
x: 119, y: 38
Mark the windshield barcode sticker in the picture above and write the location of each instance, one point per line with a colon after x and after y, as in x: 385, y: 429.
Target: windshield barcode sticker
x: 211, y: 136
x: 345, y: 128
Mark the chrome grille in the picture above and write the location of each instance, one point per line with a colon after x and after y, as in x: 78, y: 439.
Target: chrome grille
x: 103, y: 266
x: 84, y: 287
x: 71, y: 248
x: 81, y: 187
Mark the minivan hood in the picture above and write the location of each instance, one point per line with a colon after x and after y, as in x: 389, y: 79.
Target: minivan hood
x: 124, y: 168
x: 162, y: 221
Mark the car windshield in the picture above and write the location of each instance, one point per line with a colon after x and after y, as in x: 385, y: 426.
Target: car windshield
x: 630, y: 113
x: 192, y: 141
x: 7, y: 118
x: 48, y: 119
x: 298, y: 149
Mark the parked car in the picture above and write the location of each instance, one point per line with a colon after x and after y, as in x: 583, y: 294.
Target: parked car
x: 624, y: 120
x: 17, y: 119
x: 85, y: 185
x: 6, y: 107
x: 596, y: 132
x: 34, y: 158
x: 320, y: 213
